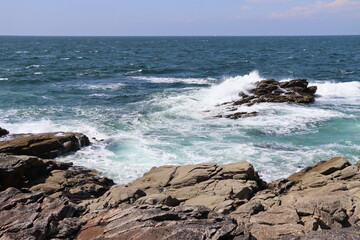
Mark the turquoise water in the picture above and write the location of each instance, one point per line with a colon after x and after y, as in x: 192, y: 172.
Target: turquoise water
x: 150, y: 101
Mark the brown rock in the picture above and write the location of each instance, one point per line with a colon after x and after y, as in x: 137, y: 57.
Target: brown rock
x: 114, y: 197
x: 35, y: 216
x: 218, y: 187
x: 51, y: 177
x: 270, y: 90
x: 159, y: 222
x: 45, y: 145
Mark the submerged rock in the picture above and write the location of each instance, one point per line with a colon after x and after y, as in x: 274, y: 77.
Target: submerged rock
x: 3, y: 132
x: 44, y: 145
x: 272, y: 91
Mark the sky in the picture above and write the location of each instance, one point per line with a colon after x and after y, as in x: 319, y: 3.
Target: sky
x: 179, y: 17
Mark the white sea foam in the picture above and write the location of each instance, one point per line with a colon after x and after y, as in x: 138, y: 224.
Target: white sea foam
x: 111, y: 86
x: 175, y: 80
x: 38, y: 73
x: 230, y: 88
x: 3, y: 79
x: 34, y: 66
x: 334, y: 90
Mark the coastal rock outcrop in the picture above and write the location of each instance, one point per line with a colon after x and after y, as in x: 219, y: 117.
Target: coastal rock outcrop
x: 3, y: 132
x: 272, y: 91
x: 325, y: 196
x: 54, y: 178
x: 46, y: 199
x: 219, y: 187
x: 159, y: 223
x: 29, y: 215
x: 44, y: 145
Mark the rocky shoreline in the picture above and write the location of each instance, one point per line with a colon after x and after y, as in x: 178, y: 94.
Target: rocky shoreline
x: 42, y: 198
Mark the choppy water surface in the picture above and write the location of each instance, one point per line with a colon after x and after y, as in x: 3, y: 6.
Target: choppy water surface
x: 151, y: 100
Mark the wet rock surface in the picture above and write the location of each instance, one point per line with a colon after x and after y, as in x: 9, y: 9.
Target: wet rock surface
x: 271, y: 91
x: 3, y: 132
x: 44, y: 145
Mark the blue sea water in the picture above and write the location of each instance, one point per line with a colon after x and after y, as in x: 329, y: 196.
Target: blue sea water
x: 150, y: 101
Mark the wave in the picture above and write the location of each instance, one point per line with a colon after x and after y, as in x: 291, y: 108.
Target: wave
x: 177, y: 80
x: 345, y: 90
x: 4, y: 79
x: 111, y: 86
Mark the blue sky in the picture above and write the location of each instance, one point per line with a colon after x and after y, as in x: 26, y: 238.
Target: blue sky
x: 179, y: 17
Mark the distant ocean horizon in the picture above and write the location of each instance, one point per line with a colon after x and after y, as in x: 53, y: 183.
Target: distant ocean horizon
x: 151, y: 100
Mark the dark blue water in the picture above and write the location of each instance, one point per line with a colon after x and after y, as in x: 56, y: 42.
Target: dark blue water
x: 152, y: 99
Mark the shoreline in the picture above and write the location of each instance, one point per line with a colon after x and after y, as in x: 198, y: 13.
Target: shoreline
x: 227, y: 201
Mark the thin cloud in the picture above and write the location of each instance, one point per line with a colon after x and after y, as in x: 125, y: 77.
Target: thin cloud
x: 320, y: 7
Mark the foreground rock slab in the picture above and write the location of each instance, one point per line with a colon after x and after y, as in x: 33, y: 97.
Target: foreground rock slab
x: 28, y: 215
x: 44, y: 145
x: 271, y: 91
x: 219, y: 187
x: 159, y: 223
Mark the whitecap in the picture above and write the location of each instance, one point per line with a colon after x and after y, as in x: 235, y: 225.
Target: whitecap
x: 176, y: 80
x: 38, y: 73
x: 33, y: 66
x: 4, y: 79
x: 111, y: 86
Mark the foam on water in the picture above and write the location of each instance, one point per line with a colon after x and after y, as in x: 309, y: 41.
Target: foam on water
x: 175, y: 80
x: 344, y: 92
x: 111, y: 86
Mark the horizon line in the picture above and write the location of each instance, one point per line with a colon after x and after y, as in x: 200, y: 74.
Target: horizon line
x: 255, y: 35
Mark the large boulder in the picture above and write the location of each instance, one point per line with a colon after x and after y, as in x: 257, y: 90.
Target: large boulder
x: 159, y: 223
x: 44, y: 145
x: 54, y: 178
x: 3, y: 132
x: 271, y: 91
x: 28, y: 215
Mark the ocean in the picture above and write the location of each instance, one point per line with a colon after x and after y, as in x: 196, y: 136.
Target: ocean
x: 151, y: 101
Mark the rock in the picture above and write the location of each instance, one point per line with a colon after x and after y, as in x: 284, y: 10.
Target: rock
x: 324, y: 196
x: 159, y: 222
x: 339, y: 234
x: 27, y: 215
x: 158, y: 199
x: 45, y: 145
x: 51, y: 177
x: 219, y: 187
x: 3, y: 132
x: 114, y: 197
x: 271, y: 91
